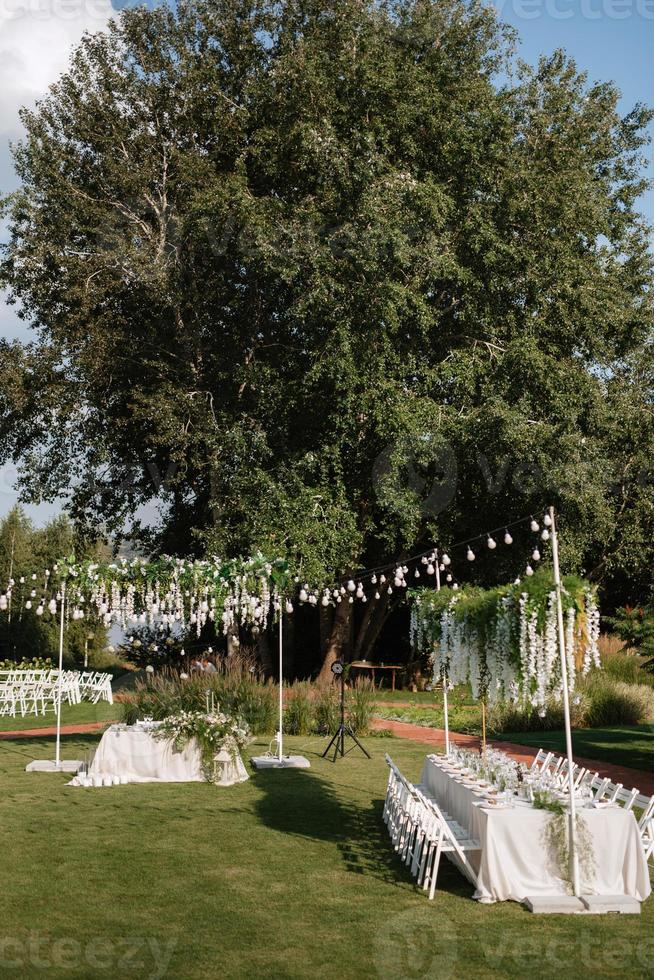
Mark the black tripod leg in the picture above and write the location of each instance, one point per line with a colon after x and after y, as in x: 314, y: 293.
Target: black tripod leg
x: 357, y: 742
x: 334, y: 739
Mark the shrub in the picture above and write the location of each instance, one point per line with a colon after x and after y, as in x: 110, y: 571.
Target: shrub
x: 625, y: 667
x: 361, y: 702
x: 510, y: 717
x: 327, y: 715
x: 616, y: 703
x: 299, y: 713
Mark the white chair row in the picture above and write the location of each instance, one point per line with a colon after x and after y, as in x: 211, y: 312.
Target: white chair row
x: 603, y: 790
x: 421, y: 832
x: 37, y: 692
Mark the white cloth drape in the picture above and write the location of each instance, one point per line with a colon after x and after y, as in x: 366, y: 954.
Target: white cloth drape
x: 514, y: 862
x: 133, y: 755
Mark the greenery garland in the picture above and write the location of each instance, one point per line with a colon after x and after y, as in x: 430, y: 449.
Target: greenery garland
x: 504, y: 641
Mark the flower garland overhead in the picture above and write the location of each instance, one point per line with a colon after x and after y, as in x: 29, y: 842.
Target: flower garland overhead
x: 171, y: 591
x: 504, y: 641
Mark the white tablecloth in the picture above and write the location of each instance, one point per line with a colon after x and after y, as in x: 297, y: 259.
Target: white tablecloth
x: 514, y: 862
x: 133, y: 755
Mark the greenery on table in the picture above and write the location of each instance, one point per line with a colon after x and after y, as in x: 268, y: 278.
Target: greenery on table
x: 313, y: 842
x: 212, y: 731
x: 332, y: 281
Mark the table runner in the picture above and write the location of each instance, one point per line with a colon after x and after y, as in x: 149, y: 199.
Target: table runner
x: 514, y: 861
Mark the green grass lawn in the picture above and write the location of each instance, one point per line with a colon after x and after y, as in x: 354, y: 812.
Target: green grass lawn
x: 625, y: 746
x: 77, y: 714
x: 289, y: 875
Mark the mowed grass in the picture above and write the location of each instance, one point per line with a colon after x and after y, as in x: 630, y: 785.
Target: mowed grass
x: 289, y: 875
x: 625, y: 746
x: 77, y: 714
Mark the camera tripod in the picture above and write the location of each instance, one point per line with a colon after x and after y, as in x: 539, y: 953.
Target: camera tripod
x: 343, y: 730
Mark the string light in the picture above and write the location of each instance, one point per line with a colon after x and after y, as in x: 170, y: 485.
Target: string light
x: 545, y: 534
x: 492, y: 543
x: 507, y: 538
x: 547, y: 520
x: 529, y: 570
x: 534, y: 525
x: 446, y: 560
x: 535, y: 554
x: 470, y: 554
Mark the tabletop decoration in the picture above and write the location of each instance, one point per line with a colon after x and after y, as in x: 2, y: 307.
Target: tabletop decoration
x: 213, y: 732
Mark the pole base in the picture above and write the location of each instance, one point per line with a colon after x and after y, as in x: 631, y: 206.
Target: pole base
x: 548, y: 904
x: 49, y: 765
x: 622, y: 904
x: 274, y: 762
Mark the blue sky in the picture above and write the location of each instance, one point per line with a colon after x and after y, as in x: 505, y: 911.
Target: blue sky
x: 611, y: 39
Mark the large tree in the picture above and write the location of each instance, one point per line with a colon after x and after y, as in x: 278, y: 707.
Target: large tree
x: 332, y: 279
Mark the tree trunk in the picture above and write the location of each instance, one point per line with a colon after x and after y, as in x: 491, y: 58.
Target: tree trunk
x: 377, y: 612
x: 338, y: 640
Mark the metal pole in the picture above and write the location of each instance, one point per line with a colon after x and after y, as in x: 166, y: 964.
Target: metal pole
x: 281, y: 679
x: 574, y: 860
x: 444, y: 674
x: 61, y: 674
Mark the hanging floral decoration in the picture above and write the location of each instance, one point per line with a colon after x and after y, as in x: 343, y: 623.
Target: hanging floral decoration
x: 168, y: 591
x: 504, y: 641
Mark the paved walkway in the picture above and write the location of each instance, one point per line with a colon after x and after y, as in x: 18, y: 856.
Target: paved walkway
x: 435, y: 737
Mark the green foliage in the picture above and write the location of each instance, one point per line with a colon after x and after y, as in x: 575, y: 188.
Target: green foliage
x: 293, y: 267
x: 361, y: 705
x: 635, y: 626
x: 167, y: 694
x: 26, y: 551
x: 299, y: 711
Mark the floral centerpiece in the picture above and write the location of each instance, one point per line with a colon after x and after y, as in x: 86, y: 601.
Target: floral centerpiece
x: 212, y: 732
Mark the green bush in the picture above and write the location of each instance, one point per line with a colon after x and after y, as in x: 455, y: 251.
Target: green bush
x: 299, y: 713
x: 509, y: 717
x: 626, y: 667
x: 361, y: 703
x: 613, y: 702
x: 167, y: 693
x: 327, y: 715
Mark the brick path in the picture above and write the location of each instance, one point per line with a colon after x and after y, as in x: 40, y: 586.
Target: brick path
x: 95, y: 726
x: 644, y: 781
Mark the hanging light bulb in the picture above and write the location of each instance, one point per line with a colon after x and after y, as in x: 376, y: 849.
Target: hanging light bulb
x: 430, y: 569
x: 398, y: 581
x: 313, y: 599
x: 374, y: 579
x: 455, y: 586
x: 39, y: 610
x: 416, y: 574
x: 382, y: 579
x: 535, y: 526
x: 28, y: 604
x: 3, y: 601
x: 507, y: 538
x: 547, y: 520
x: 364, y: 598
x: 360, y: 591
x: 377, y: 595
x: 289, y: 606
x: 325, y: 600
x: 545, y: 534
x: 335, y: 593
x: 492, y: 543
x: 351, y: 599
x: 351, y: 586
x: 405, y: 569
x: 535, y: 554
x: 446, y: 560
x: 339, y: 598
x: 390, y: 590
x: 303, y: 595
x: 529, y: 570
x: 471, y: 555
x: 448, y: 577
x: 52, y: 606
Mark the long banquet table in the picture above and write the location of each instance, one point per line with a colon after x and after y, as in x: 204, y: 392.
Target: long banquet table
x: 514, y: 861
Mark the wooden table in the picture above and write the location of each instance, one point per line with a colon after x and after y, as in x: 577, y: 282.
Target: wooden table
x: 367, y: 665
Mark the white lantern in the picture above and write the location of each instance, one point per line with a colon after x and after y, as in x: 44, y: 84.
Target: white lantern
x: 446, y: 560
x: 507, y: 538
x: 471, y: 555
x: 304, y: 595
x: 351, y: 586
x: 529, y: 570
x: 325, y: 600
x: 492, y: 543
x: 430, y: 569
x: 547, y: 520
x: 545, y: 534
x: 289, y: 606
x: 534, y: 525
x: 535, y: 554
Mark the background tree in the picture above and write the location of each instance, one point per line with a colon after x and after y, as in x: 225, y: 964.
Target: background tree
x: 25, y: 552
x: 316, y: 278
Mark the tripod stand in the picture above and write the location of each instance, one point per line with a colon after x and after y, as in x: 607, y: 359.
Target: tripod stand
x: 338, y: 739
